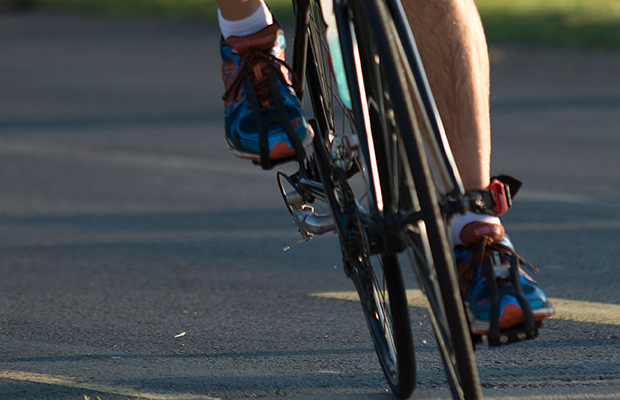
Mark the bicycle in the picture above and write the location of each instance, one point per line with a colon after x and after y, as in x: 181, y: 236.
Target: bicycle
x: 383, y: 166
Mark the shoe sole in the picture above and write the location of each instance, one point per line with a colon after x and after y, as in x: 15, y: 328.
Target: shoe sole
x: 513, y: 316
x: 280, y: 150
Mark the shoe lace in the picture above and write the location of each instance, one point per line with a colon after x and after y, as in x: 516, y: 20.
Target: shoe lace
x: 249, y: 60
x: 486, y: 244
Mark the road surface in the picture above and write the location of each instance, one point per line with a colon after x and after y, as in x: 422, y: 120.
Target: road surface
x: 140, y: 259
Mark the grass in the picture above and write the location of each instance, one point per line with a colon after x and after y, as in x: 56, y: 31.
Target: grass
x: 577, y: 23
x: 580, y: 23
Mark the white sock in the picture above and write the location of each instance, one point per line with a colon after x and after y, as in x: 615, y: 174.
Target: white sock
x: 247, y: 26
x: 459, y: 221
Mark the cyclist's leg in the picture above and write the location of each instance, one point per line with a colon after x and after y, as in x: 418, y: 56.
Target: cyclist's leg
x: 451, y: 40
x: 452, y: 44
x: 263, y: 119
x: 453, y: 48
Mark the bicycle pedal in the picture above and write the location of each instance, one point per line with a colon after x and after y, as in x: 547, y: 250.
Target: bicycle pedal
x: 276, y: 162
x: 509, y: 336
x: 307, y: 220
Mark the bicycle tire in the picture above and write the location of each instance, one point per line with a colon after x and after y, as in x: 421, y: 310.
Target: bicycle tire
x: 377, y: 278
x: 427, y: 243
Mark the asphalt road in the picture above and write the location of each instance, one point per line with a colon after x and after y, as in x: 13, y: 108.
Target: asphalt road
x: 140, y: 259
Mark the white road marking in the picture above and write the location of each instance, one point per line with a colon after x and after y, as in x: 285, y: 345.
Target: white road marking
x: 103, y: 387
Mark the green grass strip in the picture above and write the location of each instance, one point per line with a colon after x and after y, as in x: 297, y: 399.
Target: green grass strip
x: 576, y: 23
x: 579, y: 23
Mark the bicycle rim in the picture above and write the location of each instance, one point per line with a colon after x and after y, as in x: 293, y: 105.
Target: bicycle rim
x: 376, y: 274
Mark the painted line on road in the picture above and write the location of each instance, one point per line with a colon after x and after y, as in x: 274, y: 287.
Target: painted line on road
x: 129, y: 391
x: 568, y: 310
x: 79, y: 383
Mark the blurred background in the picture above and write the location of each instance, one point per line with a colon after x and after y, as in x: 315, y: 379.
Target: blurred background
x: 584, y: 23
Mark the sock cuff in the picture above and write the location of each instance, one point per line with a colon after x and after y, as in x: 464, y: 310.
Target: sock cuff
x: 256, y: 22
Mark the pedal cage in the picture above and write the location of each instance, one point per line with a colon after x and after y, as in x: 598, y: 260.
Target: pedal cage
x: 301, y: 210
x: 525, y: 331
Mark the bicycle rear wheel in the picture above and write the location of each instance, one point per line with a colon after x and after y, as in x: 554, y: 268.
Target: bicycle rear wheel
x: 375, y: 271
x: 399, y: 157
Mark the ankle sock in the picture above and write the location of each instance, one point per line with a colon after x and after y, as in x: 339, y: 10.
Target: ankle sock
x: 247, y: 26
x: 459, y: 221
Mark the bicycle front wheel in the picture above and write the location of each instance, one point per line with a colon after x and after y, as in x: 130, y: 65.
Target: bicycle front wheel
x: 404, y: 165
x: 422, y: 187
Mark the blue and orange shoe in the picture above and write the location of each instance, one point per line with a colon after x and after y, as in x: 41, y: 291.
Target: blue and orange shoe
x: 252, y: 68
x: 486, y: 240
